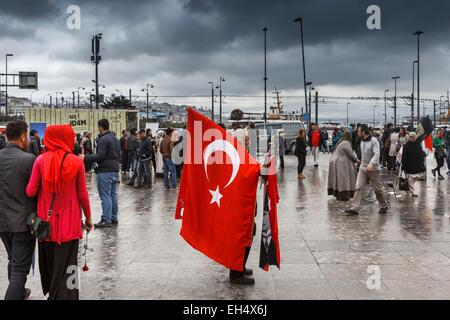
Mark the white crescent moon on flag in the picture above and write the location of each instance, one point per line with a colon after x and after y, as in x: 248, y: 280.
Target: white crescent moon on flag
x: 228, y: 148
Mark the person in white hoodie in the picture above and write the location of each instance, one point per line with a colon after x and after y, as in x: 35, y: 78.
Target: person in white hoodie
x: 369, y: 170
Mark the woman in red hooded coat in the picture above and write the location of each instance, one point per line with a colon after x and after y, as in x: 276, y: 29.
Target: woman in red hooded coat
x: 58, y: 174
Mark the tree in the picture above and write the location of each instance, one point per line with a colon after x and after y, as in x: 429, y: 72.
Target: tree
x: 118, y: 103
x: 236, y: 115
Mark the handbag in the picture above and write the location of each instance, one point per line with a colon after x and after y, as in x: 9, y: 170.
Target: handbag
x: 39, y: 228
x: 403, y: 182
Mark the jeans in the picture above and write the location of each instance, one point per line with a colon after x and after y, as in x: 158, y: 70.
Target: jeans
x: 142, y: 173
x: 131, y: 161
x: 169, y: 167
x: 19, y: 248
x: 107, y: 190
x: 315, y: 153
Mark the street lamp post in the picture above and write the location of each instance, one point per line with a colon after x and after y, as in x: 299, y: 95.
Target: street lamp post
x: 212, y: 100
x: 308, y: 107
x: 412, y: 96
x: 220, y: 97
x: 300, y: 21
x: 418, y: 33
x: 146, y: 89
x: 385, y: 108
x: 347, y: 113
x: 395, y: 100
x: 265, y: 74
x: 6, y: 86
x: 95, y: 58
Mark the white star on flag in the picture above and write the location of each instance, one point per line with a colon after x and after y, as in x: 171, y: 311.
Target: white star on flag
x: 216, y: 196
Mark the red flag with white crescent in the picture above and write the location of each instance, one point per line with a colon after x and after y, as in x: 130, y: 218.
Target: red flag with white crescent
x: 217, y: 196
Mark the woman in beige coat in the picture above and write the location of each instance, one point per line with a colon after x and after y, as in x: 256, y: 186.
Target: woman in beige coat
x: 342, y: 170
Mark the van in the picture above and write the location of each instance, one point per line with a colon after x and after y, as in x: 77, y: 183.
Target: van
x: 291, y: 129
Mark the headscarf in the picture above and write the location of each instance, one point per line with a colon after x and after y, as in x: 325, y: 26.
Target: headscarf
x: 346, y: 136
x: 59, y: 140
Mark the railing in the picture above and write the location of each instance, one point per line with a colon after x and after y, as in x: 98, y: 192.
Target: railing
x: 5, y: 119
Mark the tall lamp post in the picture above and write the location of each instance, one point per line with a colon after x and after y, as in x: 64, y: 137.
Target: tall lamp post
x: 395, y: 100
x: 151, y: 86
x: 300, y: 21
x: 265, y: 74
x: 308, y: 107
x: 347, y: 113
x: 6, y: 76
x: 412, y: 96
x: 418, y: 33
x: 95, y: 58
x: 440, y: 109
x: 212, y: 100
x: 385, y: 108
x: 220, y: 98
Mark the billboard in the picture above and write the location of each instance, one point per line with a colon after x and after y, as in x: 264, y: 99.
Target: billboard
x: 28, y: 80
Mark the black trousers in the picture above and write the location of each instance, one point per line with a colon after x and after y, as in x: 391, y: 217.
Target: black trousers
x: 58, y: 265
x: 301, y: 164
x: 19, y: 248
x: 281, y: 161
x: 124, y: 160
x: 439, y: 161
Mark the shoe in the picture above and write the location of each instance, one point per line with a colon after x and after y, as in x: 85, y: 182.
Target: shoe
x: 102, y: 224
x: 26, y: 294
x: 248, y: 272
x: 351, y: 212
x: 115, y: 222
x: 301, y: 177
x: 316, y: 165
x: 414, y: 195
x: 441, y: 177
x: 243, y: 280
x: 433, y: 172
x: 147, y: 186
x: 138, y: 186
x: 383, y: 210
x: 130, y: 184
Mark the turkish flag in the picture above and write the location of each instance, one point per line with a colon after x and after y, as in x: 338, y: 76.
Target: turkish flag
x: 217, y: 196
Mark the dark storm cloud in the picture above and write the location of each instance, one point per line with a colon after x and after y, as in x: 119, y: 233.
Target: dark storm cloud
x: 29, y: 9
x: 175, y: 40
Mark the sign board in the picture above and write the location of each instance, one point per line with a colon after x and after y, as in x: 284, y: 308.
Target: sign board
x: 152, y: 125
x: 39, y: 127
x: 28, y: 80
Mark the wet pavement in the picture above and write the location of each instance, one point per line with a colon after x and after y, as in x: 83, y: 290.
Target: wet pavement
x: 325, y: 255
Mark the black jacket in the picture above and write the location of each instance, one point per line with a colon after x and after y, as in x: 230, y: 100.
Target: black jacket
x: 300, y: 147
x: 107, y: 155
x: 145, y: 149
x: 413, y: 158
x: 132, y: 143
x: 15, y: 172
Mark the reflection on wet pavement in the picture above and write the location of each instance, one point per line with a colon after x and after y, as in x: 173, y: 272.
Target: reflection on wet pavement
x: 325, y: 255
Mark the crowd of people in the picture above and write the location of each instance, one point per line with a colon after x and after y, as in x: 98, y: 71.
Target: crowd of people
x: 360, y: 153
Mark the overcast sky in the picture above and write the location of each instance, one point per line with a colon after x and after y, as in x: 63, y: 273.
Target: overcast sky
x: 180, y: 45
